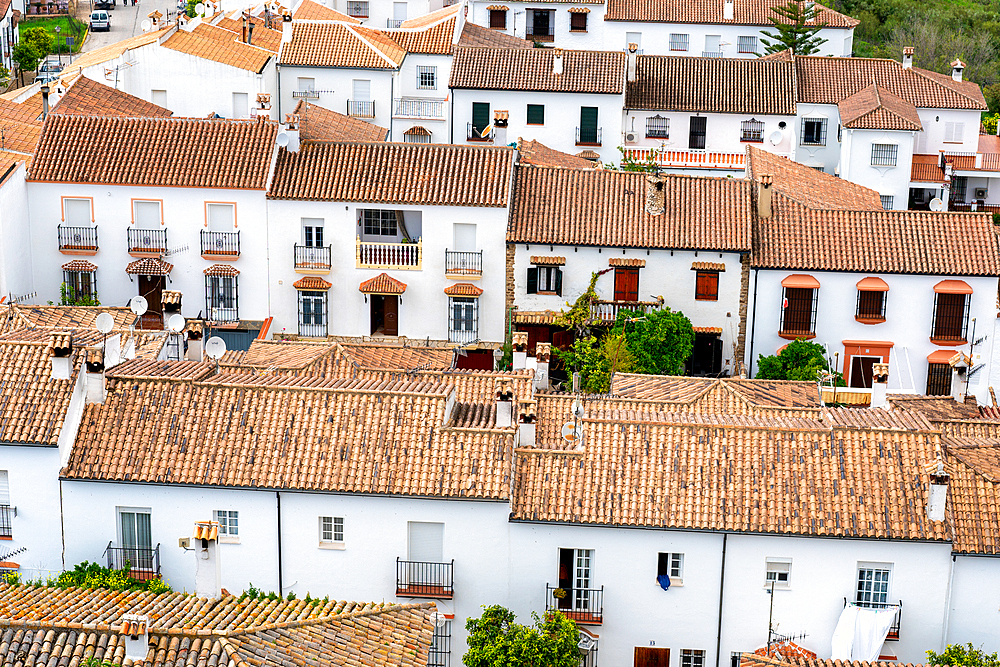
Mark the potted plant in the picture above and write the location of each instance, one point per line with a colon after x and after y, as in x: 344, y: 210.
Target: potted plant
x: 559, y: 593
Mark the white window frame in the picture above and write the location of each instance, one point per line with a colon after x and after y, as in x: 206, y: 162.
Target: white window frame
x: 692, y: 657
x: 679, y: 41
x: 330, y: 528
x: 884, y: 155
x: 73, y: 223
x: 954, y: 132
x: 871, y: 592
x: 773, y: 569
x: 675, y: 569
x: 425, y: 73
x: 219, y: 205
x: 229, y: 525
x: 137, y: 203
x: 744, y: 40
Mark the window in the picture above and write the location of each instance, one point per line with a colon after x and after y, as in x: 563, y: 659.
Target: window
x: 6, y: 513
x: 536, y: 114
x: 498, y: 19
x: 777, y: 573
x: 220, y: 217
x: 657, y: 127
x: 577, y: 22
x: 671, y: 565
x: 953, y: 133
x: 886, y: 201
x: 379, y: 223
x: 312, y: 232
x: 241, y: 105
x: 713, y: 46
x: 221, y: 298
x: 798, y: 313
x: 480, y: 120
x: 146, y: 213
x: 81, y: 287
x: 440, y: 651
x: 746, y: 44
x: 734, y: 658
x: 884, y: 155
x: 312, y: 313
x: 78, y: 212
x: 159, y: 98
x: 706, y: 286
x: 626, y: 284
x: 813, y: 132
x: 463, y: 321
x: 575, y: 578
x: 634, y: 38
x: 540, y: 25
x: 588, y: 133
x: 752, y: 130
x: 135, y: 538
x: 357, y: 8
x: 229, y: 522
x: 697, y: 130
x: 427, y: 77
x: 959, y: 184
x: 873, y: 586
x: 951, y: 315
x: 938, y: 379
x: 545, y: 280
x: 331, y: 530
x: 679, y: 42
x: 692, y: 657
x: 871, y: 305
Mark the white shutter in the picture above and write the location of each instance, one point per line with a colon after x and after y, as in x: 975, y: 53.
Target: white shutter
x: 712, y: 43
x: 426, y: 542
x: 77, y: 212
x: 4, y: 488
x: 147, y: 213
x: 241, y: 105
x: 220, y: 217
x: 399, y: 11
x: 362, y: 90
x: 633, y: 38
x: 159, y: 98
x: 465, y: 237
x: 953, y: 132
x: 306, y: 83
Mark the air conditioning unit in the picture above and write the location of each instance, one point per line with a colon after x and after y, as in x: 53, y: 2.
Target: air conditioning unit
x: 980, y: 193
x: 631, y: 137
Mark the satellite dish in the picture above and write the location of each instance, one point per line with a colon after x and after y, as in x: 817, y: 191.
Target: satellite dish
x: 775, y: 137
x: 936, y: 204
x: 215, y: 347
x: 146, y: 25
x: 176, y: 323
x: 439, y: 619
x: 104, y: 323
x: 138, y: 305
x: 281, y: 139
x: 199, y: 9
x: 572, y: 432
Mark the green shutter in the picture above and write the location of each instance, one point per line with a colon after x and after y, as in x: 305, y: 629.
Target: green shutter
x: 588, y: 125
x: 480, y: 116
x: 536, y: 114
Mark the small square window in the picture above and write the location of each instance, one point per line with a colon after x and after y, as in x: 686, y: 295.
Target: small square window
x: 886, y: 201
x: 746, y: 44
x: 813, y: 132
x: 884, y: 155
x: 498, y: 19
x: 678, y: 42
x: 706, y: 287
x: 331, y: 530
x: 777, y: 573
x: 536, y: 114
x: 671, y: 565
x: 692, y: 657
x: 577, y: 22
x: 229, y: 522
x: 427, y: 77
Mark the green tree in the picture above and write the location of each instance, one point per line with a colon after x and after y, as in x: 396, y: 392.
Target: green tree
x: 796, y: 29
x: 39, y: 39
x: 958, y: 655
x: 799, y: 360
x: 597, y: 361
x: 629, y: 163
x: 495, y: 640
x: 26, y: 57
x: 660, y: 341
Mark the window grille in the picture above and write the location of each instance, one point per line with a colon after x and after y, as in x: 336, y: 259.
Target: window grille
x: 80, y: 286
x: 959, y: 185
x: 692, y: 658
x: 884, y: 155
x: 873, y: 586
x: 463, y: 324
x: 427, y: 77
x: 222, y: 298
x: 357, y: 8
x: 798, y: 314
x: 752, y: 130
x: 440, y: 652
x: 871, y: 305
x: 746, y: 44
x: 312, y: 313
x: 886, y: 202
x: 414, y: 138
x: 679, y: 42
x: 951, y: 316
x: 813, y: 132
x: 657, y: 127
x: 938, y: 379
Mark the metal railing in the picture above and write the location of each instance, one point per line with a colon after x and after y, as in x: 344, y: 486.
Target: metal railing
x: 607, y: 311
x: 686, y: 158
x: 583, y: 605
x: 361, y: 108
x: 712, y: 54
x: 143, y: 563
x: 371, y: 255
x: 305, y: 94
x: 463, y: 263
x: 225, y: 244
x: 407, y: 108
x: 316, y: 258
x: 541, y: 34
x: 415, y: 579
x: 473, y: 133
x: 358, y: 9
x: 147, y: 240
x: 588, y: 137
x: 894, y: 628
x: 7, y: 514
x: 77, y: 238
x: 393, y: 23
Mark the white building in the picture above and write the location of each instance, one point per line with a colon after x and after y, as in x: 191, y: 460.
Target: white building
x: 8, y: 35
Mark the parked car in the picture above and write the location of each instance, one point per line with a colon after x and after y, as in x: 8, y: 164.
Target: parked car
x: 100, y: 20
x: 50, y: 66
x: 104, y: 4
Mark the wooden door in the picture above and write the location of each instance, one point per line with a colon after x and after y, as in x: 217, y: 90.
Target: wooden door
x: 626, y: 284
x: 390, y: 312
x: 151, y: 288
x: 647, y: 656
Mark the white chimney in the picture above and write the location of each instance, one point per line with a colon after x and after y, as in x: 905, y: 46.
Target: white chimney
x: 61, y: 355
x: 195, y: 332
x: 526, y: 419
x: 728, y: 12
x: 500, y: 120
x: 907, y: 57
x: 880, y: 384
x: 208, y: 570
x: 633, y: 54
x: 288, y: 137
x: 135, y: 629
x: 959, y: 375
x: 286, y: 28
x: 557, y: 61
x: 764, y: 196
x: 96, y: 392
x: 505, y: 402
x: 937, y: 499
x: 957, y: 67
x: 542, y: 353
x: 520, y: 347
x: 170, y: 304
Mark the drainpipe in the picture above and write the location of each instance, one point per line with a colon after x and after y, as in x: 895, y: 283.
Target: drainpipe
x: 277, y: 498
x: 947, y: 603
x: 392, y: 92
x: 722, y: 588
x: 62, y: 526
x: 753, y: 328
x: 451, y: 133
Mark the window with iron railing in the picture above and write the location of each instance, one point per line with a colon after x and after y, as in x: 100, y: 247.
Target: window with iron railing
x: 440, y: 651
x: 498, y: 19
x: 951, y: 316
x: 312, y: 313
x: 798, y: 314
x: 746, y: 44
x: 463, y: 321
x: 692, y: 657
x: 871, y: 305
x: 427, y: 77
x: 813, y: 132
x: 679, y: 42
x: 887, y: 201
x: 752, y: 130
x: 357, y: 8
x: 221, y: 298
x: 884, y: 155
x: 81, y: 287
x: 657, y: 127
x: 938, y: 379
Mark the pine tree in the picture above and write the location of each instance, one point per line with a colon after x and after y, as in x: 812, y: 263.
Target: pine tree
x: 796, y: 29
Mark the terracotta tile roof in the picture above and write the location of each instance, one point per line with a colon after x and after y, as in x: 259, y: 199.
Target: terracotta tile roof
x: 535, y: 316
x: 537, y: 154
x: 745, y: 12
x: 383, y: 283
x: 312, y: 283
x: 531, y: 69
x: 973, y: 461
x: 755, y: 393
x: 787, y: 659
x: 627, y: 261
x: 221, y: 46
x: 153, y: 369
x: 607, y: 208
x: 935, y: 408
x: 548, y: 261
x: 435, y: 39
x: 925, y: 169
x: 79, y: 265
x: 476, y: 35
x: 60, y: 317
x: 149, y: 266
x: 707, y: 266
x: 433, y: 18
x: 283, y: 355
x: 395, y: 357
x: 86, y: 97
x: 9, y: 159
x: 785, y: 649
x: 222, y: 270
x: 264, y: 37
x: 823, y: 80
x: 463, y: 289
x: 33, y: 405
x: 708, y: 330
x: 340, y: 45
x: 809, y: 186
x: 875, y: 108
x: 187, y: 152
x: 418, y: 131
x: 314, y: 11
x: 717, y: 85
x: 319, y: 124
x: 21, y: 128
x: 394, y: 173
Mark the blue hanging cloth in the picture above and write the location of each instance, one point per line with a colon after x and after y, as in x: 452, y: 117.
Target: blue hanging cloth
x: 663, y: 580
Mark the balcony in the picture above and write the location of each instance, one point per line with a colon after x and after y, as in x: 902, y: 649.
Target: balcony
x: 305, y: 95
x: 894, y: 628
x: 712, y: 54
x: 147, y: 242
x: 606, y: 312
x: 78, y: 240
x: 360, y: 109
x: 312, y: 258
x: 393, y: 23
x: 689, y: 159
x: 143, y: 563
x: 473, y: 133
x: 588, y: 136
x: 404, y: 256
x: 541, y: 33
x: 7, y: 514
x: 220, y: 245
x: 583, y: 605
x: 463, y: 264
x: 418, y: 109
x: 425, y: 580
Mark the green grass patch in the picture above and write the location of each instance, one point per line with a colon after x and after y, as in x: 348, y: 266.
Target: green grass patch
x: 69, y: 27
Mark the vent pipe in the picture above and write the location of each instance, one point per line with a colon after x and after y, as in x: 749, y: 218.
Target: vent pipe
x: 880, y: 384
x: 505, y: 402
x: 907, y: 57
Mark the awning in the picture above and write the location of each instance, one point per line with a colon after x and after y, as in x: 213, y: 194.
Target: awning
x: 384, y: 284
x: 708, y: 330
x: 312, y: 283
x: 463, y: 289
x: 417, y: 131
x: 800, y: 280
x: 222, y: 270
x: 872, y: 284
x: 80, y: 266
x: 535, y: 316
x: 579, y: 10
x: 627, y: 261
x: 498, y: 8
x: 941, y: 356
x: 708, y: 266
x: 548, y: 261
x: 953, y: 287
x: 149, y: 266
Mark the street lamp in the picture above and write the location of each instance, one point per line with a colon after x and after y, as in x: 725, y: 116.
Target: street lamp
x: 58, y: 45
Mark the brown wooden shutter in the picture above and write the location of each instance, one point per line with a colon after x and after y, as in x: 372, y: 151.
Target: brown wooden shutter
x: 626, y: 284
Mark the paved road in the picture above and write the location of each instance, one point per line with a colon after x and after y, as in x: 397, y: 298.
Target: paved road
x: 126, y: 20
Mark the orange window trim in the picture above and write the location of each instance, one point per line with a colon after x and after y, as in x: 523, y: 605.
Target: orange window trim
x: 953, y: 287
x: 872, y: 284
x: 800, y: 280
x: 231, y: 203
x: 62, y: 205
x: 162, y: 221
x: 941, y: 356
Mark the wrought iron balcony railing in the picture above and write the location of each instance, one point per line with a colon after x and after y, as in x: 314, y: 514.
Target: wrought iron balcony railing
x: 415, y: 579
x: 583, y: 605
x: 143, y: 563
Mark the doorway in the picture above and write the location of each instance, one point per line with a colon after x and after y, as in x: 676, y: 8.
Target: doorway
x: 385, y: 314
x: 151, y: 289
x: 651, y: 657
x: 706, y: 357
x: 861, y: 371
x: 541, y: 25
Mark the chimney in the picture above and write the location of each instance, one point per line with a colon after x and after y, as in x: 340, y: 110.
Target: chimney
x: 45, y: 100
x: 633, y: 53
x: 170, y: 304
x: 960, y: 367
x: 250, y: 33
x: 557, y: 61
x: 505, y: 406
x: 655, y: 196
x: 543, y: 351
x: 286, y: 27
x: 526, y: 418
x: 880, y: 383
x: 208, y: 571
x: 520, y: 347
x: 728, y: 12
x: 96, y: 392
x: 957, y: 67
x: 500, y: 120
x: 61, y: 353
x: 907, y: 57
x: 764, y: 196
x: 938, y: 497
x: 135, y: 629
x: 289, y: 136
x: 195, y: 332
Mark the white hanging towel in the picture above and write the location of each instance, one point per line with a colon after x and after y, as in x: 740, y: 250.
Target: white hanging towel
x: 860, y: 633
x: 843, y: 636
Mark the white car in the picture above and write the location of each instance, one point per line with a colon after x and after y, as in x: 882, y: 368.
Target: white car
x: 100, y: 19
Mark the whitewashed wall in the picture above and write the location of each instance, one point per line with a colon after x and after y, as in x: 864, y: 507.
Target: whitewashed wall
x: 15, y: 235
x: 33, y: 475
x: 723, y: 131
x: 337, y: 87
x: 380, y: 11
x: 856, y: 163
x: 974, y: 613
x: 935, y: 123
x: 406, y: 87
